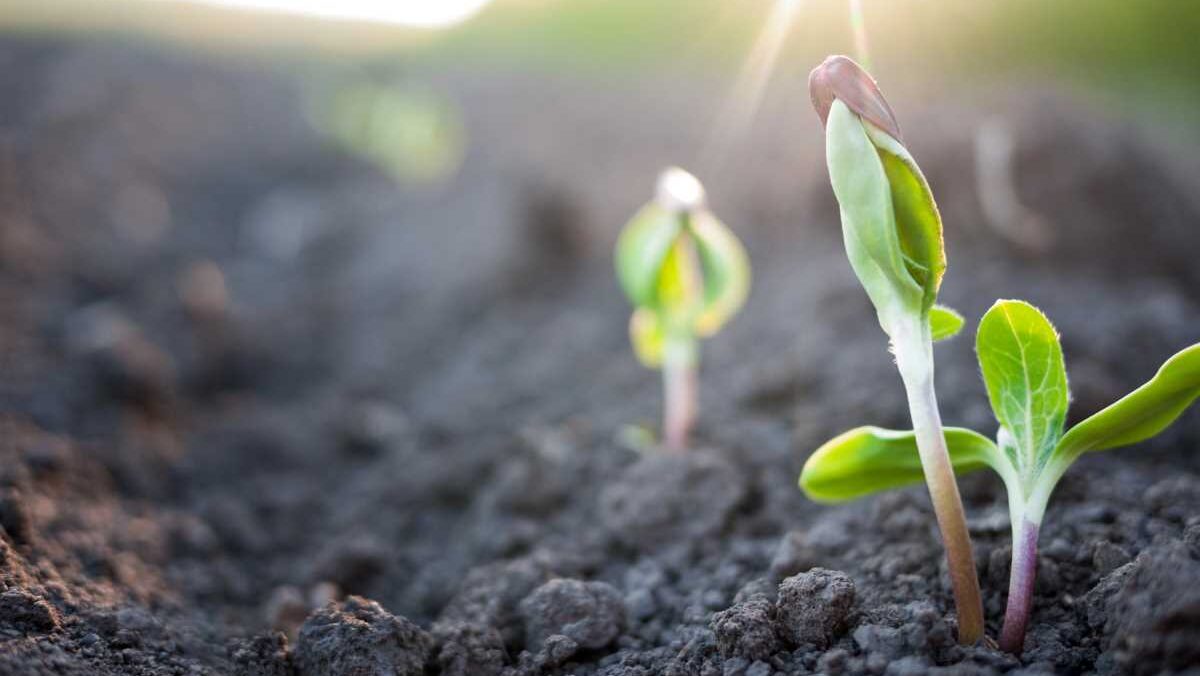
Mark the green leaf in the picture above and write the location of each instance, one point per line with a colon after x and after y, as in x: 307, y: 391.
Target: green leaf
x: 1022, y: 366
x: 726, y: 272
x: 864, y: 196
x: 918, y: 223
x: 890, y: 222
x: 643, y: 245
x: 868, y: 460
x: 944, y: 322
x: 679, y: 292
x: 1141, y: 414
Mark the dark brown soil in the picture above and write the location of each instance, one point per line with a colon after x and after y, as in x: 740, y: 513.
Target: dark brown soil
x: 266, y: 412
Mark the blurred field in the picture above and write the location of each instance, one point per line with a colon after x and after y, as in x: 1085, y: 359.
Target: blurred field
x: 1110, y: 42
x: 1138, y: 58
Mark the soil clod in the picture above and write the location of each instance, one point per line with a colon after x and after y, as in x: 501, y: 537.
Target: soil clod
x: 360, y: 637
x: 590, y: 614
x: 813, y: 606
x: 664, y: 498
x: 27, y: 612
x: 747, y: 629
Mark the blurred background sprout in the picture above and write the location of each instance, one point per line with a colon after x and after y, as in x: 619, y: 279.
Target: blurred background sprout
x: 686, y: 275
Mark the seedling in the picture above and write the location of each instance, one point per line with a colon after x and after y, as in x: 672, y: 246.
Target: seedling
x: 686, y: 275
x: 893, y: 236
x: 1022, y: 364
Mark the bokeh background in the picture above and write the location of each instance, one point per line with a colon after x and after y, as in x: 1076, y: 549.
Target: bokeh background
x: 396, y: 171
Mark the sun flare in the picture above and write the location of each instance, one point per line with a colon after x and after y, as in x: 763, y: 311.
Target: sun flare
x: 745, y: 97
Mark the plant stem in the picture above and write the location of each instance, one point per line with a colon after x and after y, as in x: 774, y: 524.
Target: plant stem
x: 1020, y: 586
x: 680, y: 391
x: 914, y: 358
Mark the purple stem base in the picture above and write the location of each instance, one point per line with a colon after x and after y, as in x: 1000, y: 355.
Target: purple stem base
x: 1020, y: 588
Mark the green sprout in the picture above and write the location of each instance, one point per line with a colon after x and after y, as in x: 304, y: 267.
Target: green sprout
x: 1022, y: 364
x: 686, y: 274
x: 893, y: 237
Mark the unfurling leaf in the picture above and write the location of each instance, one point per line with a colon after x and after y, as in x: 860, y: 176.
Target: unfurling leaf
x: 684, y: 271
x: 1022, y: 366
x: 944, y: 322
x: 868, y: 220
x: 868, y: 460
x: 890, y: 223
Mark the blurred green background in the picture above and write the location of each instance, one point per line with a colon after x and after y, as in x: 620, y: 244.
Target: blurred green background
x: 1142, y: 44
x: 1139, y: 59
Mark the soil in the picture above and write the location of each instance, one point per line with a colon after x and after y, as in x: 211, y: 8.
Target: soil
x: 266, y: 412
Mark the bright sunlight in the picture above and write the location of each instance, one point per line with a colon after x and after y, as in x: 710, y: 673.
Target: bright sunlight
x: 415, y: 13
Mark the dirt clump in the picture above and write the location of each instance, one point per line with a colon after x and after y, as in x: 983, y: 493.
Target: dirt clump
x: 359, y: 637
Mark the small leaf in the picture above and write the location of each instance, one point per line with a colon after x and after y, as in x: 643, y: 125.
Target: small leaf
x: 944, y: 322
x: 641, y: 249
x: 868, y: 460
x: 726, y: 272
x: 1022, y: 366
x: 1141, y: 414
x: 648, y: 338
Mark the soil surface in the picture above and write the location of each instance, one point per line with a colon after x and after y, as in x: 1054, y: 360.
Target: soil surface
x: 266, y: 412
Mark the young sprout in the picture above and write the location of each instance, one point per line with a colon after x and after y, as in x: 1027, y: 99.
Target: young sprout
x: 686, y: 275
x: 893, y: 236
x: 1022, y: 366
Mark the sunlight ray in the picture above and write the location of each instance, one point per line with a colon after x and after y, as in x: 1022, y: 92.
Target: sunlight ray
x: 745, y: 97
x: 858, y: 26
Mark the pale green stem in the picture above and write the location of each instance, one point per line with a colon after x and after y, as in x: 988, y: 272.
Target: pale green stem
x: 680, y: 389
x: 914, y: 357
